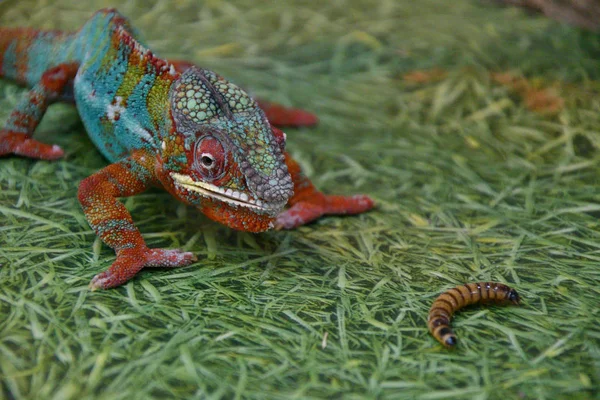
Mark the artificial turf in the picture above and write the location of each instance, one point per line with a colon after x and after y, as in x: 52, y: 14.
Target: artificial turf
x: 472, y: 183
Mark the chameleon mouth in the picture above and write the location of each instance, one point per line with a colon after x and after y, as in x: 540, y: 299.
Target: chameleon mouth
x: 230, y: 196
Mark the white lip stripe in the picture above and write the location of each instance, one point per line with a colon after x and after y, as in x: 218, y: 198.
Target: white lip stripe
x: 229, y: 196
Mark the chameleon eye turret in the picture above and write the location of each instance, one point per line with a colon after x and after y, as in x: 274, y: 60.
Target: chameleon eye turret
x: 210, y: 158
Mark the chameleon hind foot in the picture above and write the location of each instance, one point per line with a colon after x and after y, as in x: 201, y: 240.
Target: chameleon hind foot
x: 303, y: 212
x: 308, y: 203
x: 15, y: 137
x: 130, y: 261
x: 22, y: 145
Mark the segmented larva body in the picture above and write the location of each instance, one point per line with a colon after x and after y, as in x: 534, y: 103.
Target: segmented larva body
x: 449, y: 302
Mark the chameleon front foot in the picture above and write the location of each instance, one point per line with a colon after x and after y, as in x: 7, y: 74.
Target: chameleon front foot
x: 130, y: 261
x: 22, y: 145
x: 319, y: 205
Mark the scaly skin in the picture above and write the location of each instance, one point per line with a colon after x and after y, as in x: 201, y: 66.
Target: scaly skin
x: 160, y: 123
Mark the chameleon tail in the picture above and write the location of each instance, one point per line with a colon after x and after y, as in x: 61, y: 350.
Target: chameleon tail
x: 13, y: 60
x: 26, y: 53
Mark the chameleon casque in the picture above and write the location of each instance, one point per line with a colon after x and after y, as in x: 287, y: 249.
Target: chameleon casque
x: 160, y: 123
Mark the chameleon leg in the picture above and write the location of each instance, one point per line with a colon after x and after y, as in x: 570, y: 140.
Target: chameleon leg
x: 308, y: 204
x: 111, y: 221
x: 282, y: 116
x: 15, y: 137
x: 277, y: 115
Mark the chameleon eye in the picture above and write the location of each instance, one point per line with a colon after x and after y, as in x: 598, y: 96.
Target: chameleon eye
x: 209, y: 159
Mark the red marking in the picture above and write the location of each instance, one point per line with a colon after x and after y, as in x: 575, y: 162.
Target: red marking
x: 238, y: 218
x: 279, y: 137
x: 20, y: 144
x: 123, y: 38
x: 22, y: 120
x: 130, y: 261
x: 98, y: 195
x: 55, y: 79
x: 181, y: 65
x: 22, y: 38
x: 110, y: 10
x: 209, y: 159
x: 282, y: 116
x: 6, y: 37
x: 22, y: 50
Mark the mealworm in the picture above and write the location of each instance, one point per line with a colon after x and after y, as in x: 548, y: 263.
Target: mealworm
x: 449, y: 302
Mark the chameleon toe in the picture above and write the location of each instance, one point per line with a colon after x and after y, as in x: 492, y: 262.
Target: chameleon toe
x: 169, y: 258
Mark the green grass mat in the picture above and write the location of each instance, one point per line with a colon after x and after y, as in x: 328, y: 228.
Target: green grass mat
x: 471, y: 185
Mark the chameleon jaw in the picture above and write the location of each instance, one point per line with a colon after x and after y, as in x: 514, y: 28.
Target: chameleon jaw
x: 229, y: 196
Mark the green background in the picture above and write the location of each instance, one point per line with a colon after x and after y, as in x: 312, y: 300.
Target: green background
x: 470, y: 186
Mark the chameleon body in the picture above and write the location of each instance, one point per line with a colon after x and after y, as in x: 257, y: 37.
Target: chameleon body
x: 160, y: 123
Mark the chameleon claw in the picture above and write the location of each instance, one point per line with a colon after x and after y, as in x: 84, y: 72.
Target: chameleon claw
x: 130, y: 261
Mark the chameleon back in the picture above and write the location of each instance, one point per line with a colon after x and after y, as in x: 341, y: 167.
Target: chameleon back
x: 121, y: 89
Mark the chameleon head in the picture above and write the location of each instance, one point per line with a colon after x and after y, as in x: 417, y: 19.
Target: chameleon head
x: 222, y: 154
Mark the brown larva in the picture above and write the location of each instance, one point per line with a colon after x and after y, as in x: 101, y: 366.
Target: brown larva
x: 449, y: 302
